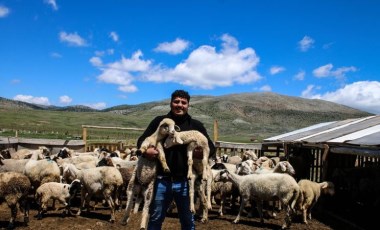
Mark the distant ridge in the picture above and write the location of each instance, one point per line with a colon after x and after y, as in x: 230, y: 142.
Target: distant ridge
x: 242, y: 116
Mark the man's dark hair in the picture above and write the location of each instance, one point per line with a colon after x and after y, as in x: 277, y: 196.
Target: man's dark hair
x: 181, y: 93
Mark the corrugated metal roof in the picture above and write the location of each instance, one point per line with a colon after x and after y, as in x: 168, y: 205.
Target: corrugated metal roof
x: 361, y: 131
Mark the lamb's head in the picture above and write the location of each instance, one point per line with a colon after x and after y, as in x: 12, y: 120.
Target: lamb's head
x: 167, y: 127
x: 222, y: 175
x: 286, y: 167
x: 328, y: 187
x: 5, y: 154
x: 75, y: 186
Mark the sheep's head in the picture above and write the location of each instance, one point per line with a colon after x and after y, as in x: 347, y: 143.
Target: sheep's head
x: 5, y: 154
x: 328, y: 188
x: 167, y: 127
x: 286, y: 167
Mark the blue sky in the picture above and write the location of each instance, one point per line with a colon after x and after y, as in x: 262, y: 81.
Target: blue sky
x: 112, y: 52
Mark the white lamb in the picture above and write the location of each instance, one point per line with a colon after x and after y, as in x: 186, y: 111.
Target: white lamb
x: 104, y: 181
x: 166, y: 127
x: 145, y: 172
x: 310, y: 192
x: 56, y: 191
x: 194, y: 139
x: 264, y: 187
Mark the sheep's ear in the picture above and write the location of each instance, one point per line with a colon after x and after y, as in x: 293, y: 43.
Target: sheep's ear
x: 324, y: 185
x: 283, y: 166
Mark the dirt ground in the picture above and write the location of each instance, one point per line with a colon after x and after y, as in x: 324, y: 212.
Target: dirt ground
x: 98, y: 219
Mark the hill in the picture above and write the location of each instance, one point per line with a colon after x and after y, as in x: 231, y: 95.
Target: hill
x: 240, y: 117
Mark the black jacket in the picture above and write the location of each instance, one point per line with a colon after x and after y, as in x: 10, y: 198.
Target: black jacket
x: 176, y: 156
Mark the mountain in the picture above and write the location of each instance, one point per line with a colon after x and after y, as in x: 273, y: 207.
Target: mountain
x: 240, y: 117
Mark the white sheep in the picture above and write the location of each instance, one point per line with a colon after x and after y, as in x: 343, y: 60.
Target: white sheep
x: 249, y: 155
x: 140, y: 185
x: 194, y: 139
x: 167, y: 126
x: 26, y: 153
x: 56, y: 191
x: 264, y: 187
x: 14, y: 189
x: 13, y: 165
x: 224, y: 188
x: 104, y: 181
x: 280, y: 167
x: 41, y: 171
x: 145, y: 172
x: 310, y: 192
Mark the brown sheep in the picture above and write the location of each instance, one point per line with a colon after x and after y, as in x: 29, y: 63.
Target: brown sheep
x: 14, y: 189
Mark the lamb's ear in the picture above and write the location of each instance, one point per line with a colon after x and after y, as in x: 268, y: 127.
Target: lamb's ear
x: 324, y: 185
x: 178, y: 139
x: 283, y: 167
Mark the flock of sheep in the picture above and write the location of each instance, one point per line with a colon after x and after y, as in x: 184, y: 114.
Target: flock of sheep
x: 113, y: 176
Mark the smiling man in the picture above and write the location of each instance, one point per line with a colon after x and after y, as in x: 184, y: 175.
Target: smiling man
x: 174, y: 185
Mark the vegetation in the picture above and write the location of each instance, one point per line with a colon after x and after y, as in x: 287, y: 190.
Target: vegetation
x: 240, y: 117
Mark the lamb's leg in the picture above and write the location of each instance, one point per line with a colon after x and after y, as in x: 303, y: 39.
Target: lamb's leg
x: 288, y: 219
x: 148, y: 196
x: 82, y: 201
x: 304, y: 214
x: 107, y: 196
x: 13, y: 208
x: 204, y: 203
x: 191, y: 193
x: 190, y: 164
x: 208, y: 192
x: 162, y: 159
x: 242, y: 205
x: 204, y: 166
x: 130, y: 194
x: 259, y: 205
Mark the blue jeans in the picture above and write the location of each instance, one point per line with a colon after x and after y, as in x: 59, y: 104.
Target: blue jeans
x: 165, y: 192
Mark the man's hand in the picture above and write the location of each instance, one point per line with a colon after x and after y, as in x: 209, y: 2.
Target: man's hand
x: 198, y: 153
x: 151, y: 153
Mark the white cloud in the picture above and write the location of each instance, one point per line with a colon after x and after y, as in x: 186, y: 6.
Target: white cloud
x: 306, y: 43
x: 15, y: 81
x: 72, y: 39
x: 104, y: 52
x: 55, y: 55
x: 266, y: 88
x: 32, y: 99
x: 99, y: 105
x: 176, y: 47
x: 52, y: 3
x: 363, y: 95
x: 122, y: 72
x: 4, y: 11
x: 276, y: 69
x: 207, y: 68
x: 300, y: 75
x: 96, y: 61
x: 327, y: 71
x: 65, y: 99
x: 204, y: 68
x: 114, y: 36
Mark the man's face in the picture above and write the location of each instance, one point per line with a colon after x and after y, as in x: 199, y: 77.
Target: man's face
x: 179, y: 106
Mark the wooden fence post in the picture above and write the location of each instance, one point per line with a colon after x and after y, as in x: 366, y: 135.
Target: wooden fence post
x: 84, y: 134
x: 216, y: 132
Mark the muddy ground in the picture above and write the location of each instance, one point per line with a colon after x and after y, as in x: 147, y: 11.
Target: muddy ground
x: 98, y: 219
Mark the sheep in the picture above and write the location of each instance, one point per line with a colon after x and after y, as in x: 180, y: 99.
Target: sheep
x: 41, y: 171
x: 249, y: 155
x: 280, y: 167
x: 145, y: 172
x: 14, y: 189
x: 223, y: 188
x: 99, y: 180
x: 56, y: 191
x: 232, y: 159
x: 165, y: 127
x: 264, y: 187
x: 194, y: 139
x: 26, y: 153
x: 141, y: 184
x: 310, y: 192
x: 13, y: 165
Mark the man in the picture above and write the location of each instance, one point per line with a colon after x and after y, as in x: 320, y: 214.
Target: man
x: 174, y: 185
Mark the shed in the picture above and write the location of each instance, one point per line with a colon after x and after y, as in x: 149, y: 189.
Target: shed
x: 346, y: 152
